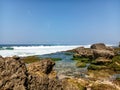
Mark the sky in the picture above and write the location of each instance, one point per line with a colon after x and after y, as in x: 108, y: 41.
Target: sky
x: 59, y: 21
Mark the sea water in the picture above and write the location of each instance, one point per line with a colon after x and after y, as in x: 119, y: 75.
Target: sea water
x: 65, y: 67
x: 34, y: 49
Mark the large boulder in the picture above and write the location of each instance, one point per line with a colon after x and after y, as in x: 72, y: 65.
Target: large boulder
x: 12, y: 74
x: 101, y: 46
x: 95, y: 51
x: 39, y: 76
x: 101, y: 50
x: 98, y: 46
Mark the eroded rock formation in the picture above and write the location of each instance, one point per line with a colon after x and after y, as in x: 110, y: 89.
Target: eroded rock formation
x: 15, y: 75
x: 95, y: 51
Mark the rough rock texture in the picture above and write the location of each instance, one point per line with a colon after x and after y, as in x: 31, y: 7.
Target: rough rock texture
x: 43, y: 66
x: 96, y: 51
x: 84, y: 52
x: 101, y: 50
x: 43, y: 82
x: 55, y: 84
x: 101, y: 46
x: 104, y: 60
x: 98, y: 46
x: 103, y: 53
x: 12, y: 74
x: 38, y: 76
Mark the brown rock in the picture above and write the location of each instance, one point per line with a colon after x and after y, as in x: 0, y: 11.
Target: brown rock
x: 103, y: 53
x: 16, y: 57
x: 12, y: 74
x: 101, y: 59
x: 83, y: 52
x: 55, y: 84
x: 72, y: 84
x: 98, y: 46
x: 42, y: 77
x: 1, y: 56
x: 110, y: 48
x: 43, y: 83
x: 36, y: 82
x: 44, y: 66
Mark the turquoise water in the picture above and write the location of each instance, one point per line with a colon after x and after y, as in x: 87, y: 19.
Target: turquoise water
x: 6, y: 48
x: 66, y: 66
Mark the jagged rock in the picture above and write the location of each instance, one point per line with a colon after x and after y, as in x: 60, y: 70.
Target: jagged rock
x: 55, y: 84
x: 44, y: 83
x: 44, y: 66
x: 15, y: 75
x: 12, y: 74
x: 37, y: 82
x: 39, y: 76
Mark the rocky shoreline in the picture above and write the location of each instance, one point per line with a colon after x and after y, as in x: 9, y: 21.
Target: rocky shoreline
x: 39, y: 74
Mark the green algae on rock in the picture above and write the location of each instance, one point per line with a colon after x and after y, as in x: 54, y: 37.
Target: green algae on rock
x: 80, y: 64
x: 30, y: 59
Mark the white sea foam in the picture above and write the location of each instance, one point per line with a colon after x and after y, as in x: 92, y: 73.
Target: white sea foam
x: 36, y: 50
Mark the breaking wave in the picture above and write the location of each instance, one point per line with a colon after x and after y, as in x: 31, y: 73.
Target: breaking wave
x: 29, y: 50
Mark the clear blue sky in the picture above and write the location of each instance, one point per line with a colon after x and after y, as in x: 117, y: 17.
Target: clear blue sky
x: 59, y: 21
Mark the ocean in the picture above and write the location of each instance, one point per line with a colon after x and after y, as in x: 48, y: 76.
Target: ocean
x: 8, y: 50
x: 65, y: 67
